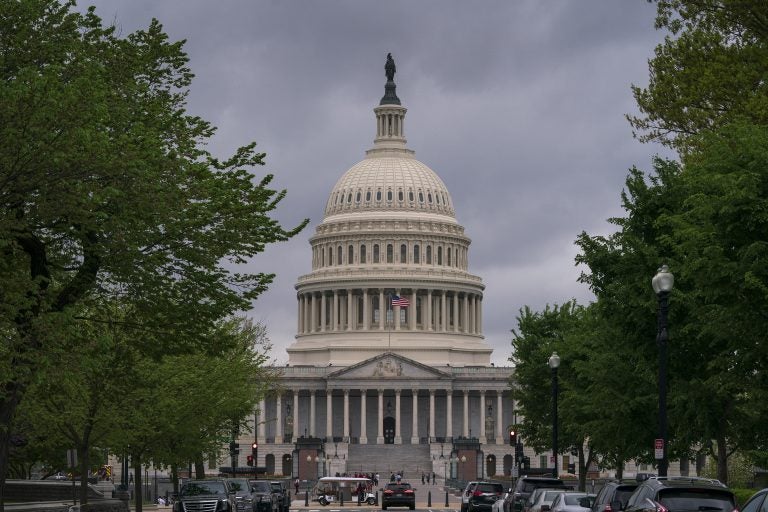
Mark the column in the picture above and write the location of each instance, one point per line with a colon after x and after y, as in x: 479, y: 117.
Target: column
x: 465, y: 426
x: 262, y: 420
x: 382, y: 310
x: 350, y: 315
x: 443, y: 310
x: 472, y: 314
x: 428, y: 318
x: 278, y: 419
x: 363, y: 424
x: 479, y: 315
x: 336, y: 316
x: 346, y: 415
x: 313, y: 314
x: 499, y: 416
x: 396, y: 312
x: 412, y: 310
x: 299, y: 326
x: 329, y: 415
x: 296, y: 430
x: 455, y: 312
x: 398, y: 437
x: 481, y: 436
x: 366, y: 311
x: 380, y: 418
x: 312, y: 413
x: 431, y: 414
x: 323, y: 311
x: 449, y: 411
x: 415, y: 412
x: 465, y: 314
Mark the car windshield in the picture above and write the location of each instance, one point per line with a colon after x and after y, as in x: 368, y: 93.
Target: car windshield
x: 197, y: 488
x: 549, y: 496
x: 238, y: 485
x: 687, y: 500
x: 261, y: 486
x: 573, y: 499
x: 398, y: 487
x: 276, y: 486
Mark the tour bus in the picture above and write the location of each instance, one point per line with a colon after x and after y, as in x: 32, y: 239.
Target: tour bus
x: 329, y: 488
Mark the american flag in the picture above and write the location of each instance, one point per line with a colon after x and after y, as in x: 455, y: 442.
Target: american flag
x: 399, y: 301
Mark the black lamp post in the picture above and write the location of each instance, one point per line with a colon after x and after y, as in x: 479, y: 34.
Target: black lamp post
x: 662, y: 284
x: 554, y: 363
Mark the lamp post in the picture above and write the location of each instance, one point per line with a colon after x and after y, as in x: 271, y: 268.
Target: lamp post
x: 554, y: 363
x: 662, y: 284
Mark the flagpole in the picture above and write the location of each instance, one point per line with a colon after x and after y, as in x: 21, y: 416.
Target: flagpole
x: 389, y: 323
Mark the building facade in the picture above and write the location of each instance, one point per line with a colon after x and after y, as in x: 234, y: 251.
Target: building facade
x: 389, y: 350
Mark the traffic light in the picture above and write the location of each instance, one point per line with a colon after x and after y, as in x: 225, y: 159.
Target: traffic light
x: 512, y: 437
x: 249, y: 460
x: 254, y: 452
x: 519, y: 452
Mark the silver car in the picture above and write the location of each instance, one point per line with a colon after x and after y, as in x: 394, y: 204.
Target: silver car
x: 572, y: 501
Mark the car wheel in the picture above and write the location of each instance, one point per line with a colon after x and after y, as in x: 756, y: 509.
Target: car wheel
x: 323, y: 501
x: 371, y: 501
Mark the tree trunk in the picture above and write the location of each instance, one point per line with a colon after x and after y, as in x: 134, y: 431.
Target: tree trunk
x: 7, y: 412
x: 620, y: 470
x: 199, y: 468
x: 137, y: 483
x: 722, y: 459
x: 175, y: 478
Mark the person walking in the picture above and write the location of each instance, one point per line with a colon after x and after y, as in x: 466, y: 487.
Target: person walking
x: 296, y: 485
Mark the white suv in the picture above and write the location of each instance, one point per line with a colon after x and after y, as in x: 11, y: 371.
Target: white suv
x: 465, y: 496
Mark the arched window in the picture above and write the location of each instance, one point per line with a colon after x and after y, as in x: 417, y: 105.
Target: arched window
x: 322, y: 257
x: 437, y: 198
x: 416, y: 254
x: 375, y: 253
x: 349, y: 197
x: 389, y: 195
x: 330, y: 256
x: 378, y: 195
x: 410, y: 195
x: 350, y: 255
x: 359, y: 196
x: 449, y: 257
x: 400, y: 195
x: 403, y: 253
x: 367, y: 196
x: 421, y: 196
x: 429, y: 197
x: 339, y: 256
x: 362, y: 254
x: 439, y: 255
x: 390, y: 256
x: 429, y: 255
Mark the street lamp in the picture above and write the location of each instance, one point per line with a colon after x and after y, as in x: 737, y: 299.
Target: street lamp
x: 662, y: 284
x: 554, y: 363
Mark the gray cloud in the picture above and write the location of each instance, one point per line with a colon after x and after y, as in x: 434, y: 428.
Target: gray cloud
x: 518, y: 106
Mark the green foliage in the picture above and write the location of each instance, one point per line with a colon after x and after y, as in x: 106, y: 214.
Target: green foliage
x: 709, y: 72
x: 108, y: 196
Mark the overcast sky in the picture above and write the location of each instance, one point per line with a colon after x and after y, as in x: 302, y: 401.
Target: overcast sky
x: 517, y: 105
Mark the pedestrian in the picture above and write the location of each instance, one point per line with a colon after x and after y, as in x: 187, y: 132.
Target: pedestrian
x: 422, y: 479
x: 296, y: 485
x: 433, y: 478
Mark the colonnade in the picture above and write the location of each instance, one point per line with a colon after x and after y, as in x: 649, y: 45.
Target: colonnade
x: 355, y: 309
x: 371, y: 414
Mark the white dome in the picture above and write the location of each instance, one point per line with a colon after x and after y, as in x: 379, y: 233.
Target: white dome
x: 390, y: 183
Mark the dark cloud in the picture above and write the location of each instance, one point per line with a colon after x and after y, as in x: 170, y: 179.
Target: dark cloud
x: 518, y: 106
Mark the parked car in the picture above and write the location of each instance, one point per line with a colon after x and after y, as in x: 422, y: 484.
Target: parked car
x: 264, y: 500
x: 681, y: 494
x: 572, y: 501
x: 757, y: 503
x: 524, y: 486
x: 280, y: 489
x: 201, y: 495
x: 614, y: 493
x: 243, y: 495
x: 465, y: 496
x: 483, y: 495
x: 541, y: 499
x: 398, y: 495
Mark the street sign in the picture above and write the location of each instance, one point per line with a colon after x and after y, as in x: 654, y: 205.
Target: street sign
x: 658, y: 449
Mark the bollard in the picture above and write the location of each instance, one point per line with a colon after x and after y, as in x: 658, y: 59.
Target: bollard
x: 376, y: 499
x: 306, y: 498
x: 446, y: 499
x: 429, y: 499
x: 341, y: 498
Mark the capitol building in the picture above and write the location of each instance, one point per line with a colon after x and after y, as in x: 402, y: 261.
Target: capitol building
x: 389, y: 370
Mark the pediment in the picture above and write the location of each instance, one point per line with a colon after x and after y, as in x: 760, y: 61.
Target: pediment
x: 389, y: 366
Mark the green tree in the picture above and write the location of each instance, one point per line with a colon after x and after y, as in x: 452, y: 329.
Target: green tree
x: 106, y: 190
x: 707, y: 73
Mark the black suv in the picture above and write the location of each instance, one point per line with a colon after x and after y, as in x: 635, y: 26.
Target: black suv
x: 681, y: 494
x: 264, y: 499
x: 482, y: 496
x: 202, y: 495
x: 280, y: 490
x: 398, y: 495
x: 614, y: 494
x: 242, y: 490
x: 525, y: 486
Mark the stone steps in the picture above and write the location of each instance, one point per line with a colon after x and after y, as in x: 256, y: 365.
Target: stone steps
x: 385, y: 459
